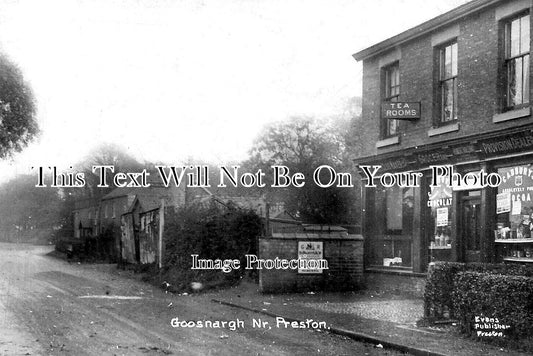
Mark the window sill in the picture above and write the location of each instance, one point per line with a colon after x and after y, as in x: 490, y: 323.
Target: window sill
x: 388, y: 142
x: 511, y: 115
x: 443, y: 129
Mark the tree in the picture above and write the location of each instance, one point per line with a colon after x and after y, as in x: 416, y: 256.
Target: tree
x: 29, y: 212
x: 302, y: 144
x: 18, y: 125
x: 104, y: 154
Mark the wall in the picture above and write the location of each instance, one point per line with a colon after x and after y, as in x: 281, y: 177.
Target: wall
x: 345, y: 262
x: 85, y: 216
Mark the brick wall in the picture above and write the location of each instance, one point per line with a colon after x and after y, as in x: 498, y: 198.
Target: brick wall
x: 478, y: 85
x: 345, y: 262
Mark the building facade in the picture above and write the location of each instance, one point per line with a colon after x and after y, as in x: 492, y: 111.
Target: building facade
x: 85, y: 218
x: 460, y: 86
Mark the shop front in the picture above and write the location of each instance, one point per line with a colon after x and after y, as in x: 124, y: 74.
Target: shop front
x: 407, y: 227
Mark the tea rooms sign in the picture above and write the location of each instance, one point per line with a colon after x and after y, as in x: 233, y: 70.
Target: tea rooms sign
x: 400, y: 110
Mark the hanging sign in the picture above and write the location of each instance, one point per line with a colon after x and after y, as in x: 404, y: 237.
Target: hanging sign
x: 400, y: 110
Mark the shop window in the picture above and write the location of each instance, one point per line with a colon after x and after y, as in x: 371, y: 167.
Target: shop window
x: 391, y: 75
x: 439, y: 205
x: 516, y: 64
x: 447, y: 86
x: 392, y: 247
x: 514, y: 209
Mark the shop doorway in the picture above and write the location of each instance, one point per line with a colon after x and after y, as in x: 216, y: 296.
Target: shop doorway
x: 470, y: 224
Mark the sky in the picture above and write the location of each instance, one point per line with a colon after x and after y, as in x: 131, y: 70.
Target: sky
x: 173, y: 80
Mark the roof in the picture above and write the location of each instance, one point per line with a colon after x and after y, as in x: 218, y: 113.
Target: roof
x: 147, y: 203
x: 120, y: 192
x: 424, y: 28
x: 85, y: 204
x: 149, y: 198
x: 152, y: 190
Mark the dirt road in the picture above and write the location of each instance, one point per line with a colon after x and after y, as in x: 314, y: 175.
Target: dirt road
x: 51, y: 307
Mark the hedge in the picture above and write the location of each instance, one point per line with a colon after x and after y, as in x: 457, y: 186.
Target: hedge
x: 212, y: 232
x: 438, y: 301
x: 507, y: 299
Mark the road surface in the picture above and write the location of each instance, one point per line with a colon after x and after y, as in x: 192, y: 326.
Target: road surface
x: 51, y: 307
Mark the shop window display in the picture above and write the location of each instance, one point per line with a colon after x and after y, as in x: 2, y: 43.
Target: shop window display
x: 514, y: 208
x: 439, y: 205
x: 393, y: 245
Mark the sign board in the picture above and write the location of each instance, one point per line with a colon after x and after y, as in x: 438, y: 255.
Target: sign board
x: 310, y: 250
x: 442, y: 217
x: 400, y: 110
x: 503, y: 203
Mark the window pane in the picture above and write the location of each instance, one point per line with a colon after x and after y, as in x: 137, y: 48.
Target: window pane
x: 511, y: 83
x: 454, y: 116
x: 454, y: 59
x: 515, y: 38
x: 394, y: 209
x: 525, y: 79
x: 517, y: 78
x: 447, y: 63
x: 447, y: 100
x: 392, y: 127
x: 392, y: 81
x: 392, y: 245
x: 524, y: 34
x: 387, y: 83
x: 394, y: 76
x: 392, y: 91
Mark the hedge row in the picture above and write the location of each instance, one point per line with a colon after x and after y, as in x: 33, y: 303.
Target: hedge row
x: 212, y: 232
x: 440, y: 284
x: 506, y: 300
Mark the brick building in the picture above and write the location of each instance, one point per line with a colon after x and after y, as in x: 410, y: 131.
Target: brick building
x: 466, y: 73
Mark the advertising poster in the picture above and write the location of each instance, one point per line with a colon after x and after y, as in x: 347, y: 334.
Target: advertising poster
x: 503, y: 203
x: 442, y: 216
x: 310, y: 250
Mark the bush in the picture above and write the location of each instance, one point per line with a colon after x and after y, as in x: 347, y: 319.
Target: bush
x: 212, y: 233
x: 440, y: 283
x: 507, y: 298
x: 508, y: 269
x: 438, y: 301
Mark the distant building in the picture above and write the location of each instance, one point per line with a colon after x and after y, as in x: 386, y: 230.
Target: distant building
x: 85, y: 218
x: 121, y: 212
x: 118, y: 219
x: 258, y: 204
